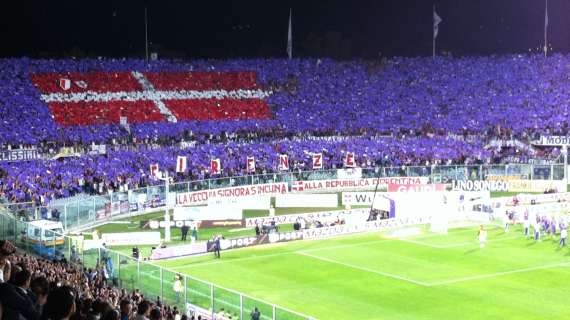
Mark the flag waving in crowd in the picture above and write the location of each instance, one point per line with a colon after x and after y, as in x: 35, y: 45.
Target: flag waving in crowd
x: 215, y: 166
x: 317, y: 160
x: 154, y: 170
x: 250, y: 164
x: 283, y: 162
x: 349, y: 160
x: 181, y: 164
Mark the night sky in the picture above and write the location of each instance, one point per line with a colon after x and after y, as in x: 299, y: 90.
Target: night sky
x: 252, y: 28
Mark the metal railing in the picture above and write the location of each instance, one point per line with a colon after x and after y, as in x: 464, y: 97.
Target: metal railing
x: 152, y: 280
x: 88, y: 210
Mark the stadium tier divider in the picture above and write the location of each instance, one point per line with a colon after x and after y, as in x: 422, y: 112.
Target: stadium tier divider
x: 197, y: 296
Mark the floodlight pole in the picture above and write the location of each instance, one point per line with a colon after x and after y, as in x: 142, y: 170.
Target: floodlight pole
x: 565, y: 154
x: 166, y: 180
x: 146, y: 33
x: 545, y: 28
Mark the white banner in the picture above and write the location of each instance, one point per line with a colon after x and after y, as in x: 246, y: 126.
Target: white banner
x: 250, y: 164
x: 130, y: 238
x: 317, y: 161
x: 357, y: 198
x: 187, y: 213
x: 537, y: 185
x: 253, y: 203
x: 543, y: 198
x: 292, y: 218
x: 353, y: 184
x: 349, y: 173
x: 154, y: 170
x: 510, y: 185
x: 215, y: 166
x: 179, y: 251
x: 478, y: 185
x: 181, y: 164
x: 208, y: 213
x: 201, y: 197
x: 283, y: 162
x: 327, y: 232
x: 553, y: 141
x: 306, y: 200
x: 349, y: 160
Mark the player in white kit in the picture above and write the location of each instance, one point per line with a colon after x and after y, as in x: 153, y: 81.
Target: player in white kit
x: 482, y: 237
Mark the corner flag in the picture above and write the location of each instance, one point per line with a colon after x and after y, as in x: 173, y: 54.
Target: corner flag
x: 436, y: 21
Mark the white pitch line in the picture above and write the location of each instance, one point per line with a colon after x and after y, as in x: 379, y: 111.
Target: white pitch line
x: 348, y: 265
x: 498, y: 274
x: 208, y: 263
x: 456, y: 245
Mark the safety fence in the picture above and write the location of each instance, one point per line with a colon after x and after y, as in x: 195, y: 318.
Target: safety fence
x: 85, y: 210
x: 194, y: 295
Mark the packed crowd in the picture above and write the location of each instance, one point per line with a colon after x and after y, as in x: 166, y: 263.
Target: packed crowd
x: 42, y: 181
x: 32, y: 288
x: 444, y: 95
x: 404, y: 111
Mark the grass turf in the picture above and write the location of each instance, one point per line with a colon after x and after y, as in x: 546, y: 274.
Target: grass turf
x: 374, y: 276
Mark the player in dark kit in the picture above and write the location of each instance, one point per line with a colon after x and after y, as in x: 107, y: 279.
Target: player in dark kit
x: 184, y: 231
x: 217, y: 247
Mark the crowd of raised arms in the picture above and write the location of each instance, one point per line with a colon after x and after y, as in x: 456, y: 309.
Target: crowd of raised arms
x: 400, y: 112
x: 32, y: 288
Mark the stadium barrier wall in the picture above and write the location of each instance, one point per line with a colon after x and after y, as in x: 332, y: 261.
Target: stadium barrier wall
x: 84, y: 211
x: 197, y: 296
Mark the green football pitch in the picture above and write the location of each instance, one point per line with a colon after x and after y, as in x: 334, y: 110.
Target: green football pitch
x: 379, y: 276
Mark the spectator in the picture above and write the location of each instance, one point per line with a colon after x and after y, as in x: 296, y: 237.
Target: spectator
x: 111, y: 315
x: 126, y: 308
x: 6, y: 249
x: 60, y: 304
x: 255, y: 314
x: 16, y: 298
x: 177, y: 287
x: 40, y: 289
x: 143, y: 310
x: 155, y: 314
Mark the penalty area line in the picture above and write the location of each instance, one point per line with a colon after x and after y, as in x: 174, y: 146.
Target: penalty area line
x: 499, y: 274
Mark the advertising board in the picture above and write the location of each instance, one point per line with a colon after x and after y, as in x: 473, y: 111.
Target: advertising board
x: 202, y: 197
x: 130, y: 238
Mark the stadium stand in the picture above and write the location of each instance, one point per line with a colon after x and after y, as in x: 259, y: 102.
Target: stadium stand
x: 406, y: 111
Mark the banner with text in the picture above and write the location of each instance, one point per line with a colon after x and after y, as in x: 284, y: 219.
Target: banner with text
x: 19, y: 155
x: 510, y: 185
x: 553, y: 141
x: 353, y: 184
x: 202, y: 197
